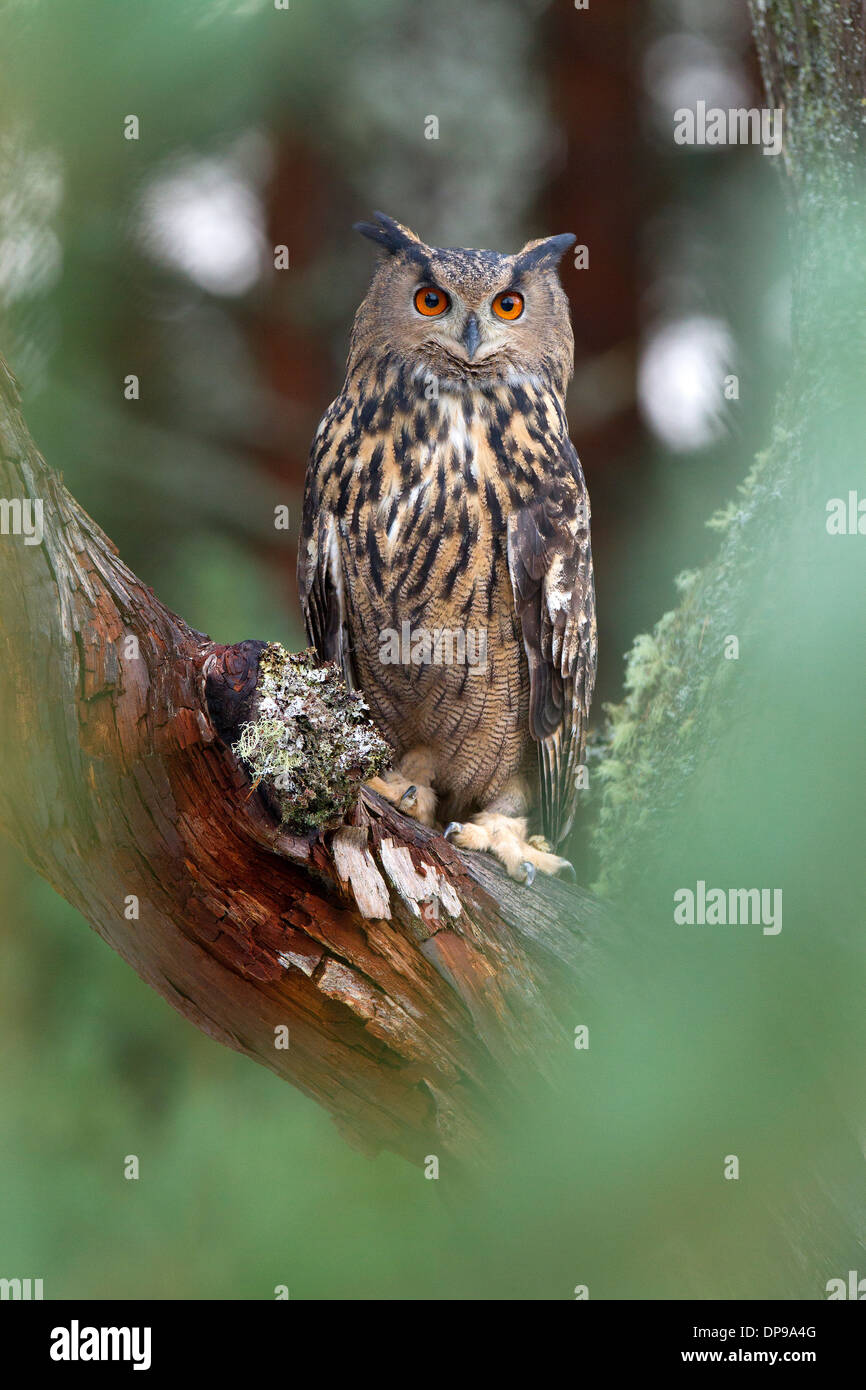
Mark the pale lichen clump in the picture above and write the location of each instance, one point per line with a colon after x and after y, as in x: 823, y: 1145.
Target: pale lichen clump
x: 311, y: 742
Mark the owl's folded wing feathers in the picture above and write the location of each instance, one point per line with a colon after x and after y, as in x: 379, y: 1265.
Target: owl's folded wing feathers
x: 550, y: 563
x: 322, y: 591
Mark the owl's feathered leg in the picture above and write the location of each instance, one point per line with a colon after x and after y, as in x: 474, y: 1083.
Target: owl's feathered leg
x: 409, y: 787
x: 500, y: 829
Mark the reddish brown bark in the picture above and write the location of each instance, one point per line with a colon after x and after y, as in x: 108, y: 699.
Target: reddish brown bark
x: 414, y: 1029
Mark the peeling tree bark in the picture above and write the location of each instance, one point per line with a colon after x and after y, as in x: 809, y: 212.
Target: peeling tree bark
x: 420, y: 988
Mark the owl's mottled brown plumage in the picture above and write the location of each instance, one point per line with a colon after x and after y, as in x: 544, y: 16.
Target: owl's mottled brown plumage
x: 443, y: 491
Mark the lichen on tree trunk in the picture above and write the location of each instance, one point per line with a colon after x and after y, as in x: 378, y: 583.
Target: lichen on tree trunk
x: 309, y: 740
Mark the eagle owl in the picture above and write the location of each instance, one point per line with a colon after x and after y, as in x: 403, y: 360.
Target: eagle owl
x: 445, y: 559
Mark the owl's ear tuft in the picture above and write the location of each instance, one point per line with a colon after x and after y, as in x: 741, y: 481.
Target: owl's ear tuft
x: 390, y: 235
x: 545, y: 251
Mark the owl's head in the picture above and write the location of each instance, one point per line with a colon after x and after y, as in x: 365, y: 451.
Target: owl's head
x: 471, y: 318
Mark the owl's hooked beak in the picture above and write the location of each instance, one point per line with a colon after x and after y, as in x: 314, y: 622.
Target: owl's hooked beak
x: 471, y: 336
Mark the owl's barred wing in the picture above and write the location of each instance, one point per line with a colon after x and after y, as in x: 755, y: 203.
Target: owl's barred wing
x: 550, y: 563
x: 321, y: 588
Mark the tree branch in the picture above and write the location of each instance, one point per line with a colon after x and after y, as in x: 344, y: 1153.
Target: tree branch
x: 420, y: 987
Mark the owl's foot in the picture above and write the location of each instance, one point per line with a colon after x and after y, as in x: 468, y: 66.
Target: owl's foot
x: 505, y: 837
x: 412, y: 799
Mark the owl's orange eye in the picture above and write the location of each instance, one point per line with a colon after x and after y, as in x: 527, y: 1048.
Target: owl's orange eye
x: 508, y: 305
x: 429, y: 301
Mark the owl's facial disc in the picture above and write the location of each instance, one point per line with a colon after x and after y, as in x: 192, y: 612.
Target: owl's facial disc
x: 470, y: 332
x: 469, y: 318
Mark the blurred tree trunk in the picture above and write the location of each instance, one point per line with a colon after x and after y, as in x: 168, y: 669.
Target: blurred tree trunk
x: 813, y: 58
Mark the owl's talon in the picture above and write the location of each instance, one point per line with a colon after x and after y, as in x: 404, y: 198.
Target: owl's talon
x: 410, y: 798
x: 452, y: 828
x: 568, y: 872
x: 528, y: 872
x: 539, y: 842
